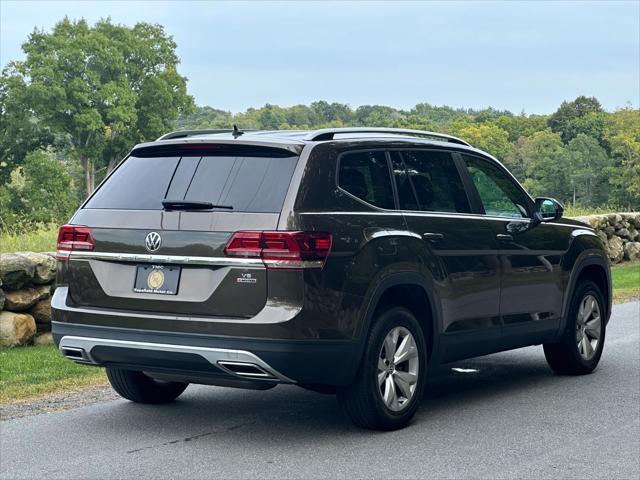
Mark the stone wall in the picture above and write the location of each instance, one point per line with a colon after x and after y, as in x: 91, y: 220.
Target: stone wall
x: 26, y: 285
x: 620, y: 233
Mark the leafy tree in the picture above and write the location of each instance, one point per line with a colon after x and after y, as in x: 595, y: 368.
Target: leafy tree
x: 20, y: 131
x: 204, y: 117
x: 486, y: 136
x: 104, y: 87
x: 376, y: 116
x: 568, y: 112
x: 623, y: 134
x: 518, y: 126
x: 40, y: 191
x: 272, y: 117
x: 440, y: 115
x: 415, y: 122
x: 332, y: 112
x: 586, y: 160
x: 545, y: 165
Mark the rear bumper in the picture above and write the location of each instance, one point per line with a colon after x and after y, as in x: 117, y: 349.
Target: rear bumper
x: 209, y: 357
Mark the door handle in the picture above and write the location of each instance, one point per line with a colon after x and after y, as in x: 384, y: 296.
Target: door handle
x: 434, y: 237
x: 504, y: 237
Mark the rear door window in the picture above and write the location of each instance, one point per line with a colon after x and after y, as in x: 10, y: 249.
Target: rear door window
x: 247, y: 183
x: 365, y: 175
x: 429, y: 181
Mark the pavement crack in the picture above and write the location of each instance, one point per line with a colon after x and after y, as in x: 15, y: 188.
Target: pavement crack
x: 188, y: 439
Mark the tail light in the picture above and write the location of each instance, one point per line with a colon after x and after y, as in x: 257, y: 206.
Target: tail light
x: 73, y: 237
x: 294, y: 250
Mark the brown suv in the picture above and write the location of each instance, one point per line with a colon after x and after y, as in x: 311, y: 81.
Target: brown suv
x: 341, y: 260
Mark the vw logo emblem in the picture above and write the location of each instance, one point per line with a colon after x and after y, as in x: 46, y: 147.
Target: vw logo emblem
x: 153, y: 241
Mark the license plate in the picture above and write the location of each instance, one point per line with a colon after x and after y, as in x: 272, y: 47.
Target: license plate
x: 159, y: 279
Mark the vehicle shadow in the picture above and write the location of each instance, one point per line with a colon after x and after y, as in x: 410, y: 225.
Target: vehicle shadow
x: 291, y: 415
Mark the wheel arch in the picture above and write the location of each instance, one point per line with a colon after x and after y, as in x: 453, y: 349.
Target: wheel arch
x: 410, y: 290
x: 592, y: 266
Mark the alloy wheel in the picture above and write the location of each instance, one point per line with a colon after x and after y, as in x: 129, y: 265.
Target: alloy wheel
x: 588, y: 327
x: 398, y: 367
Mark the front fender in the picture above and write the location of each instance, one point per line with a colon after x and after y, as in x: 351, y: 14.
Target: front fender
x: 586, y: 249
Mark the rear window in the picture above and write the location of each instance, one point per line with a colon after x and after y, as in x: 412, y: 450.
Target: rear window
x: 247, y: 183
x: 366, y: 175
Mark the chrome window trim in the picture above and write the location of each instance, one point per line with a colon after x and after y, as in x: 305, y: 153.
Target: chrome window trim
x: 470, y: 216
x: 171, y: 259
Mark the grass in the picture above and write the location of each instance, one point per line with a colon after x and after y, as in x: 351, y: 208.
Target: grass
x: 36, y: 371
x: 626, y: 282
x: 577, y: 211
x: 42, y: 240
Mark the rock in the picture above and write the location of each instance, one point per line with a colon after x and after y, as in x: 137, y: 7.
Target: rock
x: 632, y: 251
x: 18, y: 300
x: 1, y: 299
x: 633, y: 234
x: 624, y: 233
x: 16, y: 329
x: 15, y: 270
x: 45, y: 267
x: 43, y: 327
x: 44, y: 291
x: 615, y: 249
x: 610, y: 231
x: 41, y: 312
x: 43, y: 339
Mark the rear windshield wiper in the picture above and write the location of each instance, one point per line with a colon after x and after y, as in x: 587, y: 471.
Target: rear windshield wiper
x: 191, y: 205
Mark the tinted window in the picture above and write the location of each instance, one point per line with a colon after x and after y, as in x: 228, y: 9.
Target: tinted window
x: 248, y: 184
x: 500, y: 196
x: 406, y: 193
x: 366, y: 176
x: 139, y: 184
x: 429, y: 181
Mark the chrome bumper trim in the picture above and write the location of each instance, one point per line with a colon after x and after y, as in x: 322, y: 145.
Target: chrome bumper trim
x: 147, y: 258
x: 212, y: 355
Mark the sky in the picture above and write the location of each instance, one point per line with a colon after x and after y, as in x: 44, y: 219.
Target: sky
x: 514, y: 55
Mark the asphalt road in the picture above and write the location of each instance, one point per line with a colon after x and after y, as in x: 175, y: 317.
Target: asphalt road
x: 512, y: 418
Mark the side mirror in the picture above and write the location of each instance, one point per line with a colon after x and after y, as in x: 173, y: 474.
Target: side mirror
x: 547, y: 210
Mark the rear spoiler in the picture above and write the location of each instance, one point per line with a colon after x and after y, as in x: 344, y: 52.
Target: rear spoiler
x: 168, y: 148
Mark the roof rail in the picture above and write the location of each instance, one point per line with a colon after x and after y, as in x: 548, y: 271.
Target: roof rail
x: 191, y: 133
x: 328, y: 133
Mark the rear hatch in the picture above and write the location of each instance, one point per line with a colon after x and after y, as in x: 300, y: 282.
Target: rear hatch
x: 151, y: 253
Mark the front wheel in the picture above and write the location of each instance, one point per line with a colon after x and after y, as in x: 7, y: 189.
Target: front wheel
x: 140, y: 388
x: 580, y: 348
x: 387, y: 390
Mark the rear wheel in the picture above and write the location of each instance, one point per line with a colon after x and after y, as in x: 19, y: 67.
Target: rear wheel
x: 140, y: 388
x: 388, y: 387
x: 579, y: 350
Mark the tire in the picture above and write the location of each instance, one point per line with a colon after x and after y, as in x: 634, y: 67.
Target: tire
x: 139, y: 388
x: 576, y: 353
x: 363, y: 400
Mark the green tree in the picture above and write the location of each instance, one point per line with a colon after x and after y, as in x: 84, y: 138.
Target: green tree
x: 20, y: 131
x: 40, y: 191
x: 586, y: 162
x: 486, y: 136
x: 104, y: 87
x: 623, y: 134
x: 569, y: 112
x: 545, y: 166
